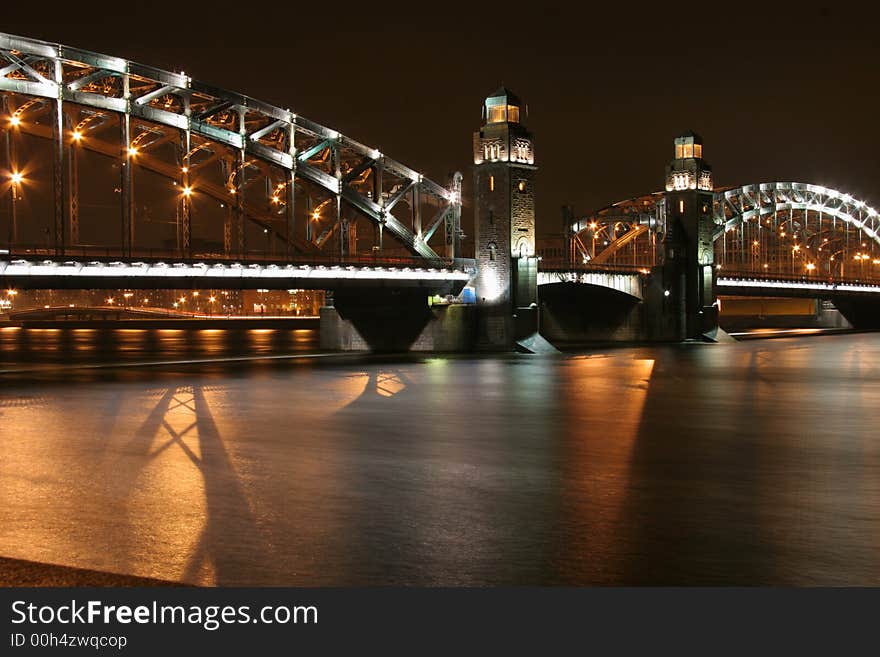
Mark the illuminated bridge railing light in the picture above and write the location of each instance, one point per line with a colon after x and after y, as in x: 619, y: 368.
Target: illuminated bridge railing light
x: 769, y: 284
x: 69, y: 268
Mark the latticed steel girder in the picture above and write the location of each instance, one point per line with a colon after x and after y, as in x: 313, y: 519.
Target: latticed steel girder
x: 732, y: 206
x: 258, y: 130
x: 739, y: 204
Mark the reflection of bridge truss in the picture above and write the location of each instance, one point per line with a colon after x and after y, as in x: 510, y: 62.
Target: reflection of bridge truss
x: 283, y: 182
x: 779, y: 229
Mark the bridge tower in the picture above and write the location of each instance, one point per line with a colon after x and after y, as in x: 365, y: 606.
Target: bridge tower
x: 504, y: 221
x: 688, y: 270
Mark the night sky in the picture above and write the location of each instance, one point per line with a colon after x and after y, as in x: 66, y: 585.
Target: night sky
x: 778, y: 93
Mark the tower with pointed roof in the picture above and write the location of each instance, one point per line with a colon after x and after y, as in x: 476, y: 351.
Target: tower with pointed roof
x: 689, y: 254
x: 504, y: 217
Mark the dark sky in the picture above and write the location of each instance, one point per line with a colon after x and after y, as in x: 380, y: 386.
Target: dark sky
x: 778, y: 92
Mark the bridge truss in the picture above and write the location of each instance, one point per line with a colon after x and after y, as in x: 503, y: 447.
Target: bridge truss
x: 102, y: 156
x: 783, y: 230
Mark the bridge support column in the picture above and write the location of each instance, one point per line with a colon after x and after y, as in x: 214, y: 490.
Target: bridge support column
x: 126, y: 185
x: 59, y: 181
x: 383, y: 320
x: 689, y: 305
x: 504, y: 224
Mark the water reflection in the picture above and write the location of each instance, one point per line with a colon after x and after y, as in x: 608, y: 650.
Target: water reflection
x: 753, y: 463
x: 23, y: 347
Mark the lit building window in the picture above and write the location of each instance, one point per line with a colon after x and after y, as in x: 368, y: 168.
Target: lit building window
x: 678, y: 152
x: 502, y: 113
x: 491, y: 183
x: 521, y: 185
x: 698, y: 150
x: 688, y: 150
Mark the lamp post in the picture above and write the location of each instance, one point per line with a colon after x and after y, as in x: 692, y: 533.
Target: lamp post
x: 17, y: 178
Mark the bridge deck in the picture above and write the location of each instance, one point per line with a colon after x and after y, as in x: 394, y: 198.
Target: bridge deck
x: 152, y: 272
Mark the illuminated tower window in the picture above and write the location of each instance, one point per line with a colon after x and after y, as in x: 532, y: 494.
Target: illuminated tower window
x: 491, y: 183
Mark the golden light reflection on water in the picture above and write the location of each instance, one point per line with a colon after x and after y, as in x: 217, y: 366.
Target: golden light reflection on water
x: 389, y: 384
x: 168, y: 489
x: 605, y: 400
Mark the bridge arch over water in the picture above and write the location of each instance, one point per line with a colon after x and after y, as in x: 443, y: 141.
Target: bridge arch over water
x: 194, y: 170
x: 778, y: 228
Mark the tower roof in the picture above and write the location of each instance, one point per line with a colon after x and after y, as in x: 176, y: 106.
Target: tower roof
x: 690, y: 137
x: 503, y: 96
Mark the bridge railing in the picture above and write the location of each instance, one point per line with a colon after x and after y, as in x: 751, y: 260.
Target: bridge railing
x: 864, y: 276
x: 560, y: 265
x: 106, y: 254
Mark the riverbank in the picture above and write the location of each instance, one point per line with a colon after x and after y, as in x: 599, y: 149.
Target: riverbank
x: 169, y: 323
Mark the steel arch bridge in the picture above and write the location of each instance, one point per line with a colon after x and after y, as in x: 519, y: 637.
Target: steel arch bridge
x: 780, y: 230
x: 106, y: 157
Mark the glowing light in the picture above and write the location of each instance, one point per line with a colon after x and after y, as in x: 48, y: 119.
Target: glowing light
x: 11, y: 292
x: 182, y: 299
x: 132, y: 151
x: 184, y: 169
x: 110, y: 300
x: 316, y: 215
x: 187, y: 191
x: 665, y: 293
x: 195, y: 293
x: 275, y: 199
x: 16, y: 177
x: 212, y: 299
x: 14, y: 120
x: 594, y: 226
x: 76, y: 135
x: 810, y: 266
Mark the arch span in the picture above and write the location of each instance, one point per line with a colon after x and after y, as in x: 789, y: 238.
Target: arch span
x: 774, y: 227
x: 736, y: 205
x: 157, y: 107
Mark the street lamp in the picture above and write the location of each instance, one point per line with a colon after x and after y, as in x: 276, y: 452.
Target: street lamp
x: 17, y: 179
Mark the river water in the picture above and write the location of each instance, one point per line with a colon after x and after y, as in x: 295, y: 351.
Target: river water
x: 751, y: 463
